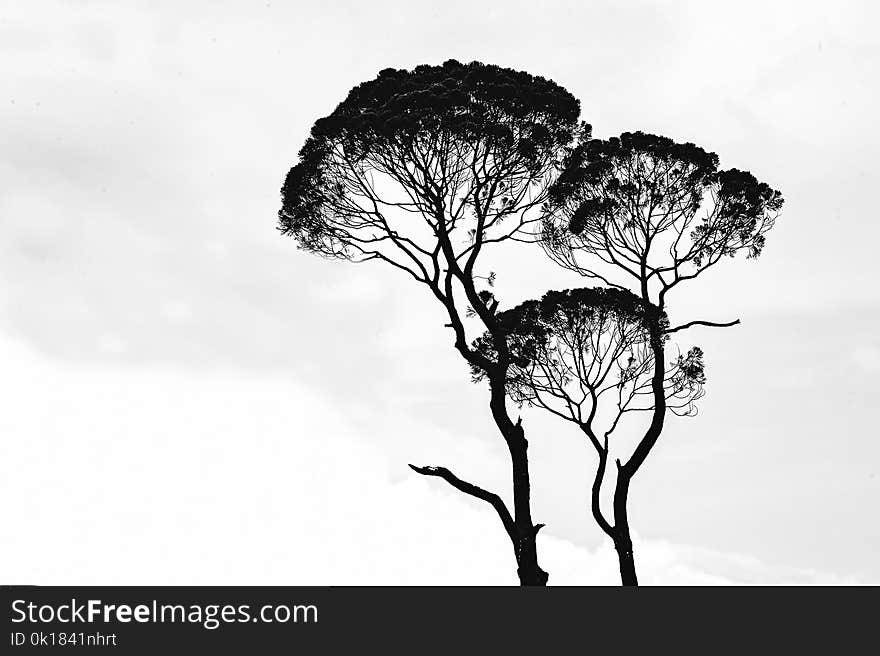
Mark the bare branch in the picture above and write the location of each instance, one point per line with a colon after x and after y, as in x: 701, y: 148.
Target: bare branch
x: 474, y: 491
x: 712, y: 324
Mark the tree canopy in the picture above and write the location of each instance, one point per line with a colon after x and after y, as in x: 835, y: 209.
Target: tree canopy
x: 578, y: 350
x: 462, y: 141
x: 658, y: 210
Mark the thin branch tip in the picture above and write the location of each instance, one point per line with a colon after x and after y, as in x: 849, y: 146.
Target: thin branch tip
x: 426, y: 470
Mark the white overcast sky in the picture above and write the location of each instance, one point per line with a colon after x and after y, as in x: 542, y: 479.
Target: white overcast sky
x: 190, y: 399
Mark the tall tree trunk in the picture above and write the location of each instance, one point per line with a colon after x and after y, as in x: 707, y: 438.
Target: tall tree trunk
x: 526, y: 549
x: 622, y: 540
x: 525, y: 538
x: 626, y: 561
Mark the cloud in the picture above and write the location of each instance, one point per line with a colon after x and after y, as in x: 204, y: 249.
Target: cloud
x: 154, y: 476
x: 866, y: 357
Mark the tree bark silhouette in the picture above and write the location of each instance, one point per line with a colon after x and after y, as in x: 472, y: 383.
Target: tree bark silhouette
x: 618, y: 531
x: 525, y: 533
x: 622, y: 540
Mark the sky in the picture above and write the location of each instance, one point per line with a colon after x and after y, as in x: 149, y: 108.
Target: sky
x: 191, y: 399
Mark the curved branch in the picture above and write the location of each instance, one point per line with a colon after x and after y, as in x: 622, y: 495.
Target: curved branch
x: 596, y: 490
x: 712, y: 324
x: 474, y: 491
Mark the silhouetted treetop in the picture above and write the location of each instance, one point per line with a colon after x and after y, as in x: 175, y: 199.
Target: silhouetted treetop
x: 532, y: 323
x: 654, y: 208
x: 455, y: 137
x: 572, y: 347
x: 593, y: 162
x: 471, y: 101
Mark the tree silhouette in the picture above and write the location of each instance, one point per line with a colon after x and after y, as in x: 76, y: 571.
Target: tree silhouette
x: 644, y: 210
x: 658, y: 211
x: 423, y: 170
x: 585, y: 355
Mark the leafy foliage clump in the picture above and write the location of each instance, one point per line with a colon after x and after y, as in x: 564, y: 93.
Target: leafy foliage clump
x: 572, y: 347
x: 472, y: 134
x: 657, y: 209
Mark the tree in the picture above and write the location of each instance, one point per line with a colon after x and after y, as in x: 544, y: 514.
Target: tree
x: 644, y: 210
x: 585, y: 356
x: 423, y: 170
